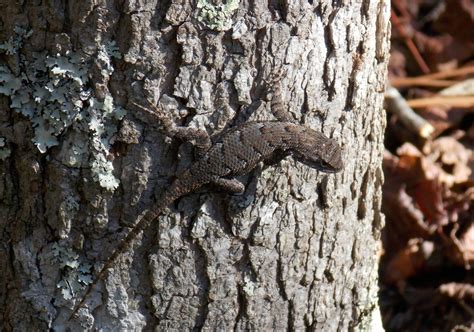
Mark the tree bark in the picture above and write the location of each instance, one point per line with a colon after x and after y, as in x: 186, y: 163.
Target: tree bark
x: 298, y: 250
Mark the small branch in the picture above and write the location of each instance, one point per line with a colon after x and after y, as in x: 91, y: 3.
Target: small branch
x: 396, y: 104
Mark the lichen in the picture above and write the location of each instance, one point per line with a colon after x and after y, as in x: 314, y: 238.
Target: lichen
x: 74, y: 273
x: 249, y: 286
x: 67, y: 212
x: 102, y: 173
x: 4, y: 151
x: 9, y: 83
x: 217, y: 17
x: 14, y: 43
x: 53, y: 92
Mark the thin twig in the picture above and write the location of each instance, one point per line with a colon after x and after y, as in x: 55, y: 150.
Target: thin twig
x: 410, y: 44
x: 458, y: 101
x: 399, y: 82
x: 435, y: 79
x: 451, y: 73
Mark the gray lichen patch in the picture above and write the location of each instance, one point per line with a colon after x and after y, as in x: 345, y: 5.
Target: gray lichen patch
x: 4, y: 150
x: 75, y: 274
x: 217, y: 16
x: 13, y: 44
x: 54, y: 93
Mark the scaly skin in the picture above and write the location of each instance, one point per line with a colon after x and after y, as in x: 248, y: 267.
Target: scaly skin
x: 238, y: 152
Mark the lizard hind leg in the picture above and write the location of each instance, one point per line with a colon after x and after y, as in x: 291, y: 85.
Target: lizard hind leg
x: 230, y: 185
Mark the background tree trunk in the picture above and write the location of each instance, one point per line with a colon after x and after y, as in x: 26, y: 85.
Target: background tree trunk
x: 297, y: 250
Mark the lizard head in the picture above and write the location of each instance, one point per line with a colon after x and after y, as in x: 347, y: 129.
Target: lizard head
x: 319, y: 152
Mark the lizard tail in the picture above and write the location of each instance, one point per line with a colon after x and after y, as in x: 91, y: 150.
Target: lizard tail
x: 176, y: 190
x: 277, y: 105
x: 123, y: 246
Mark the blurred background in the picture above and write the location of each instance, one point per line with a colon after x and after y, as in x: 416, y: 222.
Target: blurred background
x: 426, y: 270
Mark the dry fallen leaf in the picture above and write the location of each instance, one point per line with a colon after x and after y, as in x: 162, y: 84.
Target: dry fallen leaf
x: 451, y: 159
x: 408, y: 262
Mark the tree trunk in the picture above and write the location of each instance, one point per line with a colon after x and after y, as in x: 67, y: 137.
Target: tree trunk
x: 297, y: 250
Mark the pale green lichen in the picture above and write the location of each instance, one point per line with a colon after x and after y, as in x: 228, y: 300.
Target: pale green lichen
x: 53, y: 92
x: 102, y: 170
x: 13, y: 44
x: 75, y: 274
x: 217, y: 17
x: 9, y: 83
x: 4, y: 151
x: 249, y: 286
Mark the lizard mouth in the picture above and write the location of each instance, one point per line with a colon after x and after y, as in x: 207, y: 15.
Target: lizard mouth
x: 319, y: 165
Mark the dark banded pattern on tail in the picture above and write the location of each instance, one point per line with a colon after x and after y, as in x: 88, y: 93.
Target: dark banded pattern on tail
x: 277, y: 104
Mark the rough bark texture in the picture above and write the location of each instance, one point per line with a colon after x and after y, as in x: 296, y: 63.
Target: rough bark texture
x: 297, y: 250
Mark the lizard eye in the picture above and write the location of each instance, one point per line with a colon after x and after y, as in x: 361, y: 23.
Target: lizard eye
x: 325, y: 166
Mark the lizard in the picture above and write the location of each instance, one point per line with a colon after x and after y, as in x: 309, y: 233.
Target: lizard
x: 237, y: 152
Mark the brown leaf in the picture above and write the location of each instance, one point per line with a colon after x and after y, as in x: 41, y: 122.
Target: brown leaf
x: 439, y: 51
x: 404, y: 219
x: 457, y: 19
x: 460, y: 247
x: 408, y: 262
x: 450, y: 158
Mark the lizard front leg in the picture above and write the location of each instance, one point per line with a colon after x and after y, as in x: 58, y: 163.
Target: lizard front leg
x: 200, y: 137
